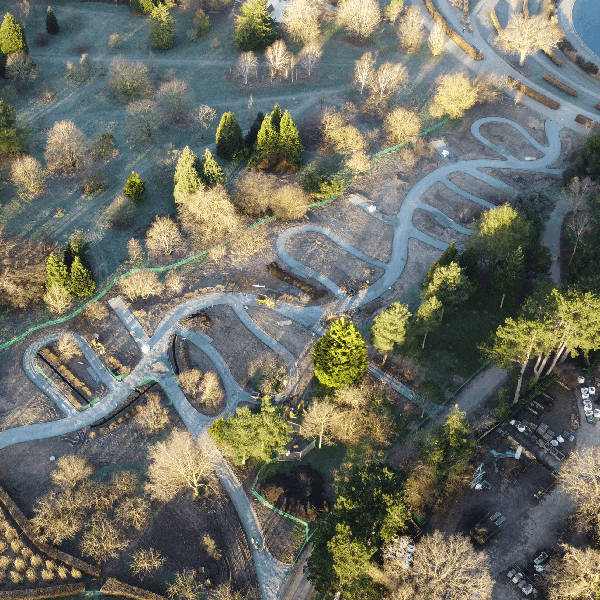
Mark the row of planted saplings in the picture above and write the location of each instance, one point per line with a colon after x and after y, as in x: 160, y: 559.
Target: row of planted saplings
x: 25, y: 565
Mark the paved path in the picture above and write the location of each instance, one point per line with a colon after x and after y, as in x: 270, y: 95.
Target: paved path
x: 154, y: 362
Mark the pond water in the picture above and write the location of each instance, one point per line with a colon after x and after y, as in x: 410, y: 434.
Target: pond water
x: 586, y: 20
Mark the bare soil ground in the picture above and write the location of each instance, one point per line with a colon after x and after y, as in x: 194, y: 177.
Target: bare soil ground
x: 523, y: 181
x: 459, y: 209
x: 506, y: 136
x: 479, y: 188
x: 427, y: 224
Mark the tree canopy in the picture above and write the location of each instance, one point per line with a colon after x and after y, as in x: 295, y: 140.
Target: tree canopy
x: 254, y: 27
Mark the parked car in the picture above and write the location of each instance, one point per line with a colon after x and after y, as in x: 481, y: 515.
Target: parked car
x: 585, y: 393
x: 597, y: 413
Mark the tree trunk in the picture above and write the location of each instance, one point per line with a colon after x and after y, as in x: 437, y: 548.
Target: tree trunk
x: 522, y: 59
x: 523, y: 367
x: 384, y: 359
x: 424, y: 338
x: 321, y: 436
x: 502, y: 300
x: 539, y: 366
x: 561, y: 348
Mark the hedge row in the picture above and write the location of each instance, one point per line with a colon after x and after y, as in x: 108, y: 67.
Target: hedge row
x: 114, y: 587
x: 51, y: 591
x: 457, y: 39
x: 553, y: 58
x: 19, y: 518
x: 589, y: 123
x: 525, y: 89
x: 570, y: 51
x: 560, y: 85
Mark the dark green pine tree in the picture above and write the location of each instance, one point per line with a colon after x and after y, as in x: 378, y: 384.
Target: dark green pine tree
x: 250, y: 138
x: 289, y: 139
x: 12, y: 38
x: 56, y: 272
x: 340, y: 356
x: 81, y: 281
x: 51, y: 22
x: 12, y: 138
x: 2, y: 64
x: 229, y: 137
x: 276, y: 115
x: 268, y: 145
x: 254, y: 27
x: 75, y: 247
x: 210, y: 172
x: 186, y: 178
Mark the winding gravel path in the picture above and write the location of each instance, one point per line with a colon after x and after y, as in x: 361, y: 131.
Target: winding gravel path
x: 154, y: 363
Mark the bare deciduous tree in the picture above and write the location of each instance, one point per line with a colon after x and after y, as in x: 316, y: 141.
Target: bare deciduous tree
x: 339, y: 136
x: 27, y: 173
x: 402, y: 125
x: 360, y: 18
x: 142, y: 119
x: 68, y: 348
x: 364, y: 71
x: 445, y: 566
x: 153, y: 416
x: 133, y: 513
x: 141, y: 284
x: 146, y: 561
x: 129, y: 80
x: 278, y: 59
x: 210, y: 389
x: 205, y: 115
x: 437, y: 39
x: 163, y: 237
x: 386, y: 80
x: 189, y: 381
x: 186, y: 586
x: 525, y: 35
x: 310, y: 57
x: 302, y: 19
x: 455, y: 94
x: 134, y: 250
x: 319, y: 420
x: 102, y: 541
x: 578, y: 194
x: 66, y: 148
x: 411, y: 29
x: 71, y: 470
x: 575, y: 575
x: 247, y: 66
x: 177, y: 464
x: 174, y: 101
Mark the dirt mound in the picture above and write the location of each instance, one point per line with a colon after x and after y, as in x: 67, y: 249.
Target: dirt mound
x: 299, y: 491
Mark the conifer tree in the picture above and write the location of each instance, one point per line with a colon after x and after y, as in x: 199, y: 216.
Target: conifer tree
x: 340, y: 356
x: 229, y: 137
x: 289, y: 140
x: 74, y: 247
x: 389, y: 327
x: 250, y: 138
x: 134, y: 187
x: 81, y: 281
x: 449, y: 285
x: 210, y: 172
x: 11, y: 137
x: 57, y: 273
x: 186, y: 178
x: 51, y: 22
x: 2, y: 64
x: 12, y: 38
x: 254, y: 28
x: 267, y: 143
x: 276, y: 115
x: 162, y: 34
x: 429, y: 316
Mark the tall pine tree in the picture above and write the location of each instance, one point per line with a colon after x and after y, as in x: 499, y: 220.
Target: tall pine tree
x: 56, y: 272
x: 81, y: 281
x: 289, y: 140
x: 186, y: 178
x: 51, y: 22
x: 276, y: 115
x: 12, y: 38
x: 250, y: 138
x: 340, y: 356
x: 162, y: 33
x: 254, y: 27
x: 389, y: 327
x: 229, y: 137
x: 210, y: 171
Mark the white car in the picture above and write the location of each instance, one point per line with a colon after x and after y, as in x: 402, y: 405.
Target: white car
x: 597, y: 413
x: 526, y: 588
x: 517, y: 577
x: 587, y: 405
x: 585, y: 393
x: 592, y: 390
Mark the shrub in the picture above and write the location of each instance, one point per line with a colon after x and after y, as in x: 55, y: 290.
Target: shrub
x: 31, y: 575
x: 78, y: 74
x: 20, y: 67
x: 143, y: 7
x: 174, y: 101
x: 66, y: 147
x: 134, y: 187
x: 47, y: 575
x: 128, y: 80
x: 19, y: 564
x: 94, y: 184
x: 105, y: 145
x: 16, y: 577
x: 27, y: 173
x: 201, y: 25
x: 120, y: 212
x: 36, y: 561
x: 141, y: 284
x: 142, y: 119
x: 115, y: 41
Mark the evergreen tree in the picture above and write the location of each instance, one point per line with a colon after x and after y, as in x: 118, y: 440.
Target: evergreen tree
x: 289, y: 140
x: 456, y: 438
x: 276, y: 115
x: 134, y: 187
x: 429, y: 316
x: 186, y: 177
x: 162, y: 33
x: 229, y: 137
x: 250, y: 138
x: 450, y: 254
x: 267, y: 143
x: 389, y: 327
x: 340, y: 356
x: 508, y: 276
x: 81, y: 281
x: 12, y: 38
x: 51, y: 22
x: 57, y: 273
x: 210, y: 172
x: 254, y: 28
x: 449, y: 285
x: 11, y: 137
x: 2, y: 64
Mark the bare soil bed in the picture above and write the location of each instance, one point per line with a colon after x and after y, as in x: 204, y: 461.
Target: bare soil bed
x: 316, y: 251
x: 427, y: 224
x: 523, y: 181
x: 508, y: 137
x: 229, y: 336
x: 479, y: 188
x: 457, y: 207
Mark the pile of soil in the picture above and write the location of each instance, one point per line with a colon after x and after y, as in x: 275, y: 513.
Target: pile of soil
x: 299, y: 492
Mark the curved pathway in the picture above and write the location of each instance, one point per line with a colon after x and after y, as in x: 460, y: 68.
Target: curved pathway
x: 154, y: 363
